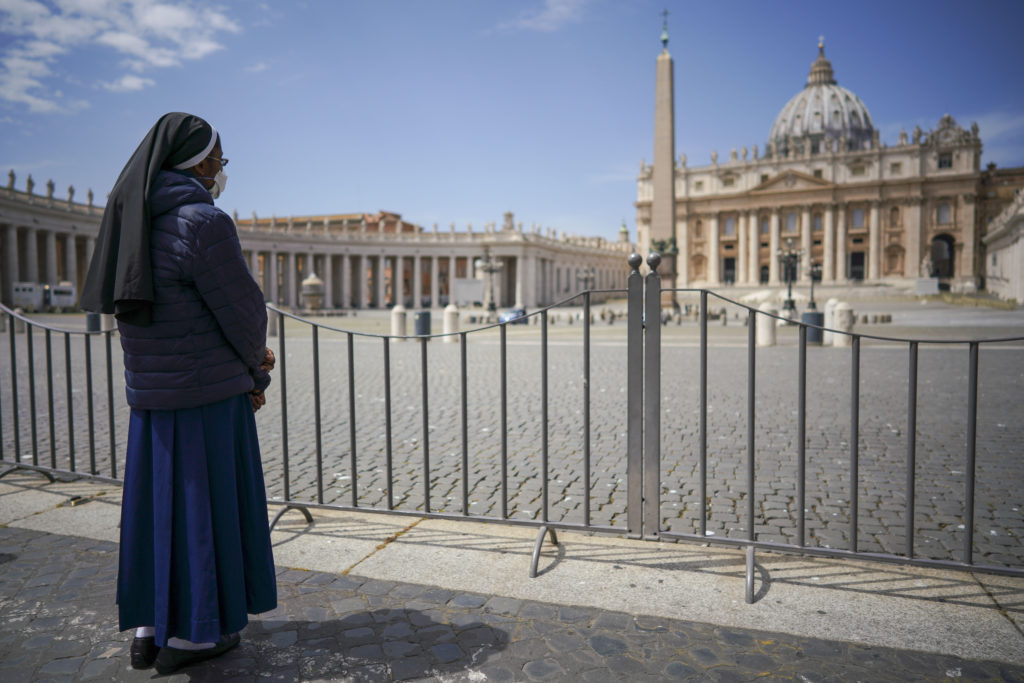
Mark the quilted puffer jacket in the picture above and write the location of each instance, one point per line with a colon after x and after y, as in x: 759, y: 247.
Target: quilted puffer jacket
x: 208, y: 334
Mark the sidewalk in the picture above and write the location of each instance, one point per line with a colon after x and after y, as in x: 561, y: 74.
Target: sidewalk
x: 379, y: 597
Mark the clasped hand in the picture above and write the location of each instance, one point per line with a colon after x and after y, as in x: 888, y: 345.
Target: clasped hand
x: 256, y: 396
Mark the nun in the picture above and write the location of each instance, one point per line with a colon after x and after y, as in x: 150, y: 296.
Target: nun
x: 195, y: 555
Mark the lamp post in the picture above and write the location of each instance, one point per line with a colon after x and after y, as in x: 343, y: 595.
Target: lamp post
x: 789, y: 259
x: 815, y: 275
x: 587, y: 277
x: 489, y: 266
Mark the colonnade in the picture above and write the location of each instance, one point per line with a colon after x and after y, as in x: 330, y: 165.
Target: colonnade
x: 42, y: 255
x: 374, y: 278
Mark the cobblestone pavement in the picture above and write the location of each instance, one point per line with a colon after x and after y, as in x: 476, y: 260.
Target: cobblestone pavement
x: 59, y: 621
x: 357, y: 471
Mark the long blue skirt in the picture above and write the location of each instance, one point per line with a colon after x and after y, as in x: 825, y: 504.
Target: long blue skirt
x: 195, y: 543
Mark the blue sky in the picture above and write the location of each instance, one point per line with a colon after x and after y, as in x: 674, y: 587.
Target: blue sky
x: 457, y: 111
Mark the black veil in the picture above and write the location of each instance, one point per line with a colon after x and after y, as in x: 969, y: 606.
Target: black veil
x: 120, y: 279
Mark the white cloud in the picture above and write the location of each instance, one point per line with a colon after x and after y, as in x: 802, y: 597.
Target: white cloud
x: 128, y: 83
x: 149, y: 34
x: 551, y: 17
x: 257, y: 67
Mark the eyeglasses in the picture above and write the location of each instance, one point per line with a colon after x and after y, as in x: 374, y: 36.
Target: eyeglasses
x: 223, y: 162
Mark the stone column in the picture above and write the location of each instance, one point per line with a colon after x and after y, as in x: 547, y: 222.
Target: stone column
x: 773, y: 249
x: 435, y: 282
x: 398, y: 281
x: 967, y: 268
x: 31, y: 263
x: 451, y: 280
x: 293, y: 294
x: 754, y: 245
x: 804, y: 270
x: 274, y: 290
x: 346, y: 281
x: 530, y: 263
x: 363, y: 282
x: 912, y: 229
x: 71, y: 262
x: 828, y: 272
x: 10, y: 273
x: 741, y: 246
x: 254, y: 266
x: 417, y: 281
x: 328, y: 279
x: 683, y: 260
x: 841, y: 275
x: 714, y: 257
x: 874, y: 243
x: 382, y: 291
x: 520, y: 286
x: 52, y: 276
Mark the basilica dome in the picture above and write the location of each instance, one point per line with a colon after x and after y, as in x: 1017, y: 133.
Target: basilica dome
x: 821, y: 113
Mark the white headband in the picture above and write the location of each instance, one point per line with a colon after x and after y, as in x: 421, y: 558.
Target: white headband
x: 189, y: 163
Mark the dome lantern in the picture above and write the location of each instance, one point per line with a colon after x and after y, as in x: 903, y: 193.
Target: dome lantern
x: 821, y: 114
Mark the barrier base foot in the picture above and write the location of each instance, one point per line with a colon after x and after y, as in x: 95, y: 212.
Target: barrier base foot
x: 25, y: 468
x: 301, y: 508
x: 537, y: 545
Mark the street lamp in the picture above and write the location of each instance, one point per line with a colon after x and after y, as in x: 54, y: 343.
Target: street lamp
x: 815, y: 275
x: 588, y: 278
x: 489, y: 266
x: 789, y: 259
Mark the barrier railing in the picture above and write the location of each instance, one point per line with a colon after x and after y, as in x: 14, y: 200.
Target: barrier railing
x: 397, y: 430
x: 63, y: 452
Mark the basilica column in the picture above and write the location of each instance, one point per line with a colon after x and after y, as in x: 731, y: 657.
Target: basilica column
x: 435, y: 282
x: 398, y: 281
x: 804, y: 273
x: 417, y: 281
x: 714, y: 258
x: 968, y: 271
x: 841, y: 274
x: 741, y: 260
x: 346, y: 281
x: 874, y: 243
x: 773, y: 249
x: 754, y: 247
x: 52, y: 276
x: 10, y: 273
x: 912, y: 229
x: 31, y: 263
x: 828, y: 273
x: 451, y: 279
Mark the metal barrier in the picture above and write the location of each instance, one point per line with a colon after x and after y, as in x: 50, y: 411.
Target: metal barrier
x: 67, y: 462
x: 642, y: 408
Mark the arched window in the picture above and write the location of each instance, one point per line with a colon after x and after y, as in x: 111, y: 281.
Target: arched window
x: 894, y: 217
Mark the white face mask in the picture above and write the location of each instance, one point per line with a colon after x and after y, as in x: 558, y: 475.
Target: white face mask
x: 220, y: 181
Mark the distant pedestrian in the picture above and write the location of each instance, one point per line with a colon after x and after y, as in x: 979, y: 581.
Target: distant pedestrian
x: 195, y: 554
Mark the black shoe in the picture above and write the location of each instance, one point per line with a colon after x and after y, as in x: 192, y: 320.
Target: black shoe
x: 143, y: 652
x: 170, y: 659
